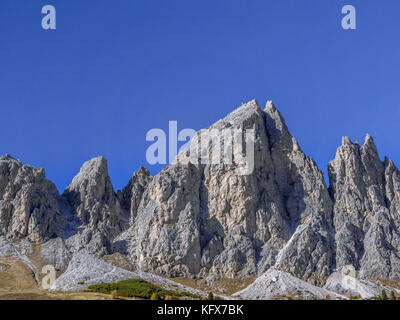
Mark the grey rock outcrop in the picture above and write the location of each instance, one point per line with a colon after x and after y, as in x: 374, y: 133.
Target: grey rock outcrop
x: 131, y: 195
x: 205, y: 219
x: 366, y: 193
x: 29, y: 203
x: 95, y: 209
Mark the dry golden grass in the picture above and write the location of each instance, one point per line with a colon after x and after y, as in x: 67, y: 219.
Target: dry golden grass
x: 390, y: 283
x: 48, y: 295
x: 17, y: 282
x: 14, y: 275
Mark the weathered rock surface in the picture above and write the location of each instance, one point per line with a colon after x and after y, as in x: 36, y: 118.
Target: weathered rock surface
x: 54, y: 252
x: 366, y: 195
x: 29, y: 203
x: 96, y: 215
x: 131, y: 195
x: 205, y: 219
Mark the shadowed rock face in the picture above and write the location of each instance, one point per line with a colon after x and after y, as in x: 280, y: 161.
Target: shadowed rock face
x: 206, y: 220
x: 366, y: 195
x: 29, y: 203
x: 131, y: 195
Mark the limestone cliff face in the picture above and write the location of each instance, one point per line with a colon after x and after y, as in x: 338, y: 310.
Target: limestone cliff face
x: 207, y: 220
x: 131, y: 195
x: 366, y: 197
x: 94, y: 207
x: 29, y: 203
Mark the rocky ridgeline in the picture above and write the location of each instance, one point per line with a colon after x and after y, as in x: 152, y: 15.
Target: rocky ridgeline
x: 206, y: 221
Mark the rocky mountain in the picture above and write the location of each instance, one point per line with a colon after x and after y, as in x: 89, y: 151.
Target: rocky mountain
x: 204, y: 220
x: 207, y: 220
x: 366, y: 210
x: 29, y: 203
x: 131, y: 195
x: 95, y: 211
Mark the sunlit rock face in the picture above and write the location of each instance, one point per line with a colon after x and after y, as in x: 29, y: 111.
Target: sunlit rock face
x: 95, y: 211
x: 207, y: 220
x: 29, y: 203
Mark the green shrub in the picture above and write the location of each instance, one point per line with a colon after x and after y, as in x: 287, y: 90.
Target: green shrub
x: 138, y: 288
x: 102, y: 288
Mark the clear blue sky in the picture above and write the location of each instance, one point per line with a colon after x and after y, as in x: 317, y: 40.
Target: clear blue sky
x: 115, y: 69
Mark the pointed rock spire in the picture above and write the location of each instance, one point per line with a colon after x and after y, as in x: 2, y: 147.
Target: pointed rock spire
x: 346, y: 140
x: 365, y: 203
x: 278, y: 133
x: 29, y: 203
x: 270, y: 106
x: 369, y: 144
x: 131, y: 195
x: 92, y: 199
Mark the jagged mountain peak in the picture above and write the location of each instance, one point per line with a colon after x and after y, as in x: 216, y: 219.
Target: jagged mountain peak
x: 98, y: 163
x: 94, y: 203
x: 369, y: 144
x: 7, y: 157
x: 92, y: 177
x: 366, y: 198
x: 131, y: 195
x: 93, y: 166
x: 270, y: 106
x: 144, y: 171
x: 208, y: 220
x: 368, y: 139
x: 247, y: 112
x: 29, y: 202
x: 388, y: 163
x: 353, y: 150
x: 346, y: 140
x: 278, y: 132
